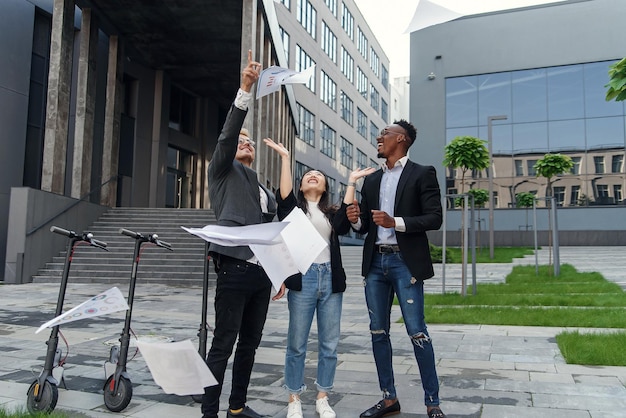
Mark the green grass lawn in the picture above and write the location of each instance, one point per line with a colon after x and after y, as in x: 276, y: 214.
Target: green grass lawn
x: 23, y: 413
x: 572, y: 299
x: 500, y: 254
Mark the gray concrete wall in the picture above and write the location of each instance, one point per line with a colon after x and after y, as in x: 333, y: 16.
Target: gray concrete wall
x: 16, y: 19
x: 30, y: 244
x: 565, y: 33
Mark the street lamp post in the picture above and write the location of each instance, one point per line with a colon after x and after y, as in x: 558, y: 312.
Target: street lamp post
x: 490, y: 119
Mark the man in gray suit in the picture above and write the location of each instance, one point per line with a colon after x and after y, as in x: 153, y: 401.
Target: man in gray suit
x: 243, y: 288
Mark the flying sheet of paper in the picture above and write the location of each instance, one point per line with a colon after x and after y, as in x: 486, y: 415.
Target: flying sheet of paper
x: 232, y: 236
x: 177, y: 367
x: 106, y: 302
x: 273, y: 77
x: 300, y: 246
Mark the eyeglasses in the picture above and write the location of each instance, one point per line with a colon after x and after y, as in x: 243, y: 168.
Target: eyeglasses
x: 244, y: 141
x: 386, y: 131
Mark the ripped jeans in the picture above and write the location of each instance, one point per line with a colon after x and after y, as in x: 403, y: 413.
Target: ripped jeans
x: 388, y: 275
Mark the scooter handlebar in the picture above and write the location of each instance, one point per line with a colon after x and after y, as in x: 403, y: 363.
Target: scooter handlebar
x: 154, y: 238
x: 62, y: 231
x: 97, y: 243
x: 130, y: 233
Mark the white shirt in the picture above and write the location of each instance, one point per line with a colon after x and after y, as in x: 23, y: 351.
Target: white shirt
x: 322, y: 225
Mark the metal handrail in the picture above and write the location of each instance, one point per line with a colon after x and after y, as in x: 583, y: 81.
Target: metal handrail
x: 47, y: 221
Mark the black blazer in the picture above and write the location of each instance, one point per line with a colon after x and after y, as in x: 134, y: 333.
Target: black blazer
x: 234, y: 187
x: 340, y: 226
x: 418, y: 202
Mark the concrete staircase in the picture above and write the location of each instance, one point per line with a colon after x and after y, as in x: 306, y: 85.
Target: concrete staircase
x: 182, y: 266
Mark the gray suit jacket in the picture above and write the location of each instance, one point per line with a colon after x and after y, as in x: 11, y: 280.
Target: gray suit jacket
x: 234, y: 188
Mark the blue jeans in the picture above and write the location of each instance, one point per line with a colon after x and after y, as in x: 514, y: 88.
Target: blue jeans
x: 388, y: 275
x: 316, y: 295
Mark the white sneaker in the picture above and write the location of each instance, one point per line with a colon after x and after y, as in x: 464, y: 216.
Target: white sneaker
x: 295, y: 409
x: 322, y: 408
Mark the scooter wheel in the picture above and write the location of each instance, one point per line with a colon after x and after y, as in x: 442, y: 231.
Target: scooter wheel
x: 117, y: 401
x: 49, y: 397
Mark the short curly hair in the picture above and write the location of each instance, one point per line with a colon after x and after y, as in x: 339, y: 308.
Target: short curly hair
x: 409, y: 128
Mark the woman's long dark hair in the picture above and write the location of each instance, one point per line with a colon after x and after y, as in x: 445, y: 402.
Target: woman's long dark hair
x: 324, y: 204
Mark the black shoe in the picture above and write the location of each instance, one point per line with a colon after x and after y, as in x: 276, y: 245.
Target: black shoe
x: 246, y: 413
x: 380, y: 410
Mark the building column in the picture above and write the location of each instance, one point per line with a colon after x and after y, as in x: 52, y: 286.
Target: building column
x: 58, y: 100
x: 85, y: 105
x: 113, y: 109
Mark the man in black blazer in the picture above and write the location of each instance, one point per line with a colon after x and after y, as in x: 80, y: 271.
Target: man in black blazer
x: 399, y: 203
x: 243, y: 288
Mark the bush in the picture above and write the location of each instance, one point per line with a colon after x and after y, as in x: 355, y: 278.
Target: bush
x: 436, y: 254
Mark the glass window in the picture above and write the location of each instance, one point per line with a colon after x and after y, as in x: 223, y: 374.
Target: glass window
x: 307, y: 16
x: 299, y: 172
x: 307, y: 125
x: 598, y: 162
x: 384, y: 110
x: 461, y: 102
x: 287, y: 3
x: 602, y: 192
x: 304, y: 61
x: 617, y: 193
x: 501, y: 137
x: 374, y: 62
x: 384, y: 77
x: 346, y: 153
x: 373, y: 134
x: 529, y: 96
x: 347, y: 108
x: 332, y: 6
x: 361, y: 82
x: 347, y: 21
x: 454, y: 132
x: 574, y: 196
x: 519, y: 168
x: 596, y: 76
x: 361, y: 43
x: 332, y: 189
x: 565, y: 92
x: 566, y: 135
x: 617, y: 163
x: 285, y: 38
x: 361, y: 159
x: 559, y: 195
x: 576, y: 166
x: 329, y: 91
x: 605, y: 132
x: 347, y: 65
x: 494, y: 96
x: 361, y: 120
x: 530, y: 137
x: 329, y: 143
x: 530, y: 164
x: 329, y: 42
x: 374, y: 98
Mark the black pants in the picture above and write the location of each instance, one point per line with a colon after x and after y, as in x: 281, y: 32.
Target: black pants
x: 241, y: 302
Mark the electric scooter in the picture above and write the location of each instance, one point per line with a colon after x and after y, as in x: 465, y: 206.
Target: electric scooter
x: 43, y: 393
x: 118, y: 389
x: 204, y: 326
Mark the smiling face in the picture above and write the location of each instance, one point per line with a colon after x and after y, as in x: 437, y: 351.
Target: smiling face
x: 313, y: 185
x: 245, y: 150
x: 389, y: 141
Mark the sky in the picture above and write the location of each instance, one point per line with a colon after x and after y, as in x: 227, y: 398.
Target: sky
x: 388, y: 20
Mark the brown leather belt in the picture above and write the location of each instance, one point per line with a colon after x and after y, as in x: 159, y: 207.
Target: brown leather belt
x: 387, y: 249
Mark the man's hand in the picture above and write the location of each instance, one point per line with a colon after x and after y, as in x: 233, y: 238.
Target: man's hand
x: 280, y: 293
x: 381, y: 218
x: 250, y: 74
x: 353, y: 212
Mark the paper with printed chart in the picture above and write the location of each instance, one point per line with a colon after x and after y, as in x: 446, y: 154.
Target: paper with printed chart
x: 273, y: 77
x: 177, y: 367
x: 106, y: 302
x: 300, y: 246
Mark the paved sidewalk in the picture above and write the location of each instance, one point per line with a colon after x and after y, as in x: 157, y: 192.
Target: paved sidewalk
x: 485, y: 371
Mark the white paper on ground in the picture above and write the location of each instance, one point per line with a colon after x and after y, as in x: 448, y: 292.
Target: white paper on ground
x: 177, y: 367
